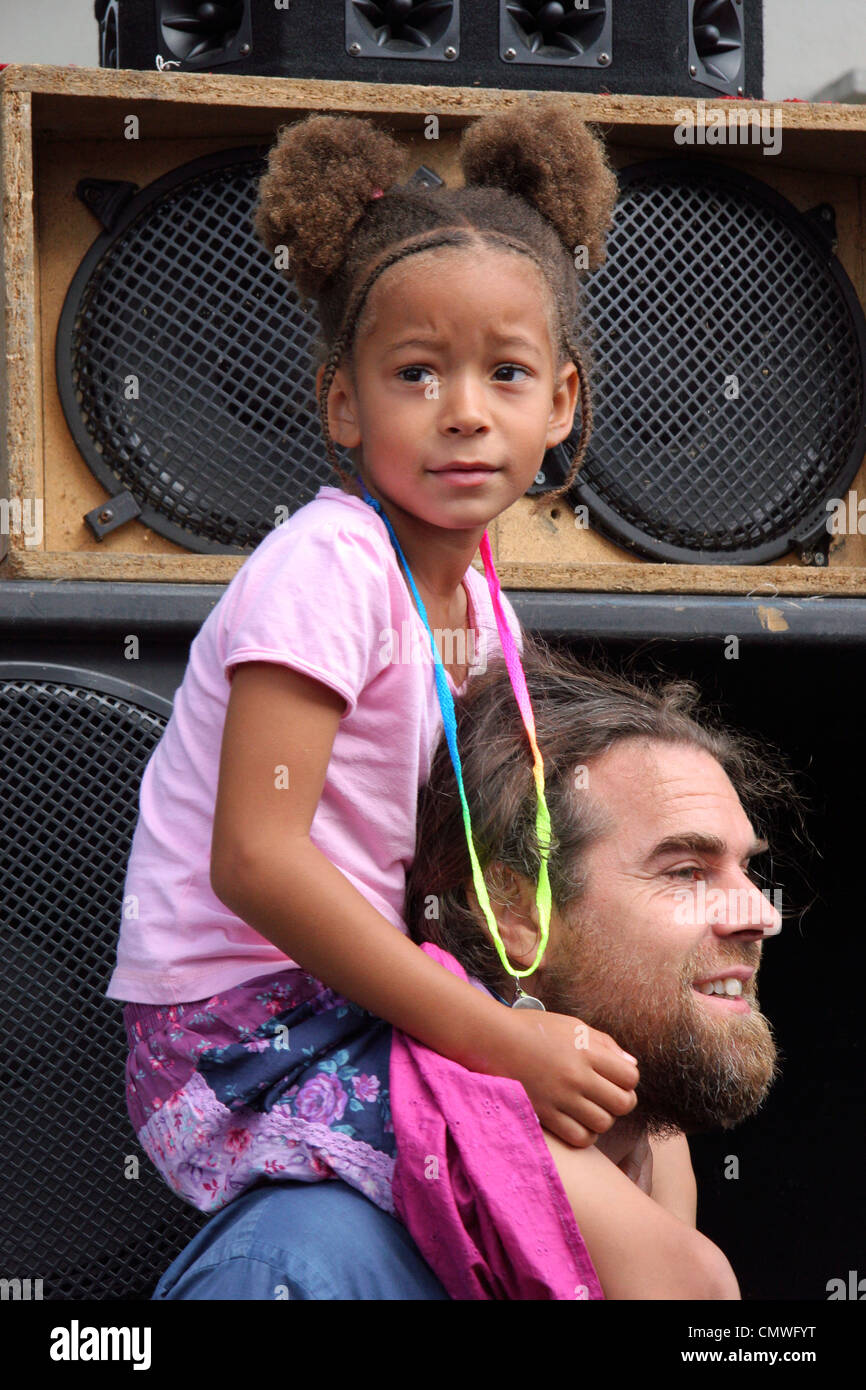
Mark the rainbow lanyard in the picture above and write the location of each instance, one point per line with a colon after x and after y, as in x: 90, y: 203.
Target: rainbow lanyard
x: 446, y: 703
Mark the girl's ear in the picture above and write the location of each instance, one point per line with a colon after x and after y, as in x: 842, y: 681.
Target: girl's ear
x: 565, y: 397
x: 341, y: 414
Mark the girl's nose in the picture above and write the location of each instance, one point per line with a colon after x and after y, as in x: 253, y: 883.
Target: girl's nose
x: 462, y: 404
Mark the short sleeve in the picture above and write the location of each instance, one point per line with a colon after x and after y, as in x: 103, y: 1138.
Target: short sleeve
x: 316, y: 599
x: 513, y: 621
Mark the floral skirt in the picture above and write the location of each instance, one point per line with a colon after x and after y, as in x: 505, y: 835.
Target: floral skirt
x: 278, y: 1078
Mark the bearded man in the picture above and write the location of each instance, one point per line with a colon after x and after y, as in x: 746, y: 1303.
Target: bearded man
x: 656, y: 929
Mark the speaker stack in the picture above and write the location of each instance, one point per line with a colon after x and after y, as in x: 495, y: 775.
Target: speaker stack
x: 159, y: 417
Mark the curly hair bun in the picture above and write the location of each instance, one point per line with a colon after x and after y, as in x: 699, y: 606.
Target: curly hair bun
x: 322, y: 172
x: 542, y: 150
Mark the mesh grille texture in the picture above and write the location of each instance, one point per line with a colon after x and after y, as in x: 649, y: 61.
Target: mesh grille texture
x: 72, y: 760
x: 707, y: 289
x: 186, y: 302
x: 727, y: 384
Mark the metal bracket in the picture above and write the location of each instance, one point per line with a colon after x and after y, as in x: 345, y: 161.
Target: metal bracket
x: 426, y: 177
x: 811, y: 543
x: 117, y: 511
x: 106, y: 198
x: 822, y: 219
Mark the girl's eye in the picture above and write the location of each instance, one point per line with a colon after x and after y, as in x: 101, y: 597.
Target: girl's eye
x: 427, y: 370
x: 506, y: 367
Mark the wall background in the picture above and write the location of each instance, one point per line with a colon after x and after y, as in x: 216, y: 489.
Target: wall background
x: 805, y: 45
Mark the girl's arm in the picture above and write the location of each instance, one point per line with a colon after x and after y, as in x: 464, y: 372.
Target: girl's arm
x: 267, y: 870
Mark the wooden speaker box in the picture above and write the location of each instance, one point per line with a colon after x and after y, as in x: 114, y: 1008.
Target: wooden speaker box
x: 60, y: 126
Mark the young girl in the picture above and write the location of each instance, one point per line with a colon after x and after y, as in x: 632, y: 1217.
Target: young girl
x: 258, y: 949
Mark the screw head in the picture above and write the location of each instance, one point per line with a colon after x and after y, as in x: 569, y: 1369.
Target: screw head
x: 354, y: 49
x: 510, y: 54
x: 451, y: 51
x: 693, y: 72
x: 245, y: 48
x: 603, y: 59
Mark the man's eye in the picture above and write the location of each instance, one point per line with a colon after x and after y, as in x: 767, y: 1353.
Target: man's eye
x: 689, y: 869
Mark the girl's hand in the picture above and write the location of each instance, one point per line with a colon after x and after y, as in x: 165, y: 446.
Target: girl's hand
x: 578, y: 1080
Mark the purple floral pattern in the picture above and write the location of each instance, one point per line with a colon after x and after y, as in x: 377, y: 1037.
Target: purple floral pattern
x: 279, y: 1078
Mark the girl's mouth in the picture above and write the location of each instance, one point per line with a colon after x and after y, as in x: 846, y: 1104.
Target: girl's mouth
x: 466, y: 477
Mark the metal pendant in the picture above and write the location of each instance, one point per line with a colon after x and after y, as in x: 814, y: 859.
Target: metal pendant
x: 526, y: 1001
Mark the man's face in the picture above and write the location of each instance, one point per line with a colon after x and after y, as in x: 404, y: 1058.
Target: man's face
x: 646, y: 935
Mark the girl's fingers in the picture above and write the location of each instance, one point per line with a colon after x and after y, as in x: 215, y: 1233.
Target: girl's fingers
x: 586, y: 1114
x: 571, y: 1131
x: 615, y: 1099
x: 610, y: 1062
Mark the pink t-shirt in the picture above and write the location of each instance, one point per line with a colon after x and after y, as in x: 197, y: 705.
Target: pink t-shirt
x: 325, y: 594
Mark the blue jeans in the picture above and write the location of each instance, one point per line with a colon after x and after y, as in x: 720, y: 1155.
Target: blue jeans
x: 300, y: 1240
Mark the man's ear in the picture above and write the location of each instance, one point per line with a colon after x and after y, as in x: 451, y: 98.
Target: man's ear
x: 516, y: 914
x: 342, y: 421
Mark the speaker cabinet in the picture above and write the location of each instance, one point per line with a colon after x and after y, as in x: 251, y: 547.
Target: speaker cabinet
x: 691, y: 47
x: 66, y: 130
x: 84, y: 1211
x: 78, y: 717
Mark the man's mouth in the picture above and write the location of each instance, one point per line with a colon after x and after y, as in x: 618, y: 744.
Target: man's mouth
x: 726, y: 991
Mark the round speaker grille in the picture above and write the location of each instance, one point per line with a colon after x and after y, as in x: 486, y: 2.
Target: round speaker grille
x: 729, y: 350
x: 73, y: 752
x: 184, y: 366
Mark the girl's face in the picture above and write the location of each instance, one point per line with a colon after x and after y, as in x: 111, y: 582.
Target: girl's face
x: 454, y: 363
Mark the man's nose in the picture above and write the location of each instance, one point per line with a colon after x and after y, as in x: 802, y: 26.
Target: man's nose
x: 744, y: 907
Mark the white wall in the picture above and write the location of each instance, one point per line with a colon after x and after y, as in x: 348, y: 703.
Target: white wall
x: 49, y: 31
x: 807, y: 43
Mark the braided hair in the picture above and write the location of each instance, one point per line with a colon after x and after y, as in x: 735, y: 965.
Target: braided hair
x: 537, y: 182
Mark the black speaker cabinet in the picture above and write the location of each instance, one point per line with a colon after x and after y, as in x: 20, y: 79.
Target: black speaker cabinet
x: 82, y: 705
x: 671, y: 47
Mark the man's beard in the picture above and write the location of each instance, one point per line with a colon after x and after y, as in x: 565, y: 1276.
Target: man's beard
x: 699, y: 1070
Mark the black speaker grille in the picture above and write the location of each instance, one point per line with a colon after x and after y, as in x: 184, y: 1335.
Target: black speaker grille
x: 711, y: 276
x: 72, y: 760
x: 182, y: 303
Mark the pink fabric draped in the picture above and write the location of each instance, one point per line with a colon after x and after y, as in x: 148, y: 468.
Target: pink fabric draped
x: 475, y: 1183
